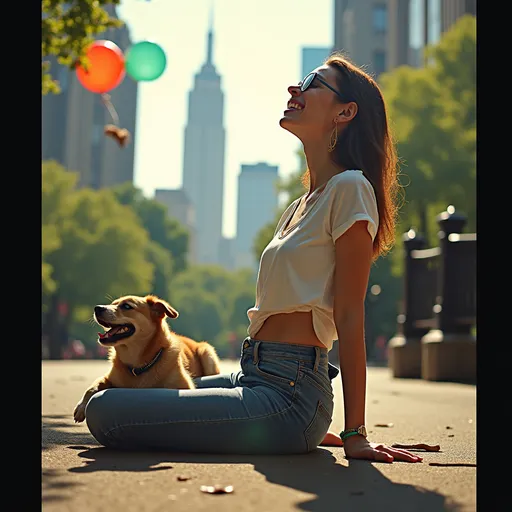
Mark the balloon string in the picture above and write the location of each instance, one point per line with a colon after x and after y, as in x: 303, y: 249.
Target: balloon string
x: 111, y: 110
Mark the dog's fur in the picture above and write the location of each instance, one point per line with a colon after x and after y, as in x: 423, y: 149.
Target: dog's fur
x: 146, y: 333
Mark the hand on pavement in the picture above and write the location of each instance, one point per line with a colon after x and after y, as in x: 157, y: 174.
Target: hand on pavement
x: 358, y: 447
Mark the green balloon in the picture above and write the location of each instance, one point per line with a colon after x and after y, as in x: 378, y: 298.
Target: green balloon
x: 145, y: 61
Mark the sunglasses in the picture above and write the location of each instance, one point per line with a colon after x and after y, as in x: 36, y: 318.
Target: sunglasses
x: 308, y: 80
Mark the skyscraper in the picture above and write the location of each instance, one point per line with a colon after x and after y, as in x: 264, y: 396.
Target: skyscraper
x: 361, y: 32
x: 203, y: 159
x: 257, y: 204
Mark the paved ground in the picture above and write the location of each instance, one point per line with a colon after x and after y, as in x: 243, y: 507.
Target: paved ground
x: 79, y: 475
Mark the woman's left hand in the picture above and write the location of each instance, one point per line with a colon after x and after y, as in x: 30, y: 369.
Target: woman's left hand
x: 358, y: 447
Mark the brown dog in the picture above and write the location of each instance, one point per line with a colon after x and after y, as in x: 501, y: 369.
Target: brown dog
x: 144, y: 352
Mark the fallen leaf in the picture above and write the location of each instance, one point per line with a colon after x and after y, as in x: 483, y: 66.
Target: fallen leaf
x: 182, y: 478
x: 453, y: 464
x: 384, y: 425
x: 217, y: 489
x: 420, y: 446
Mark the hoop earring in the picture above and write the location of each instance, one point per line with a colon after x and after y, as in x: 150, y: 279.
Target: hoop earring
x: 334, y: 138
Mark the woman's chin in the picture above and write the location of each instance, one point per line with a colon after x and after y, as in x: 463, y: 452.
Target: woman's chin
x: 288, y: 124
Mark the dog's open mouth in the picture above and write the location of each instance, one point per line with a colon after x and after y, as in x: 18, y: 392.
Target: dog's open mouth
x: 115, y: 332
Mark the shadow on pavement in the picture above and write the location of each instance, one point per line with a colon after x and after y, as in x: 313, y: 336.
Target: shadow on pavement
x: 360, y: 485
x: 53, y: 436
x: 52, y: 484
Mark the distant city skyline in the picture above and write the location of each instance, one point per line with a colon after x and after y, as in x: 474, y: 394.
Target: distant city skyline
x: 258, y: 57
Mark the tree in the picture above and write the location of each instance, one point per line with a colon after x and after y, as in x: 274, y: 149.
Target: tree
x: 213, y: 303
x: 170, y: 239
x: 68, y: 27
x: 433, y: 113
x: 101, y: 251
x: 57, y: 185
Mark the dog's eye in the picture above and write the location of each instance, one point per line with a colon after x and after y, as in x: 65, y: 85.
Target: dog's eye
x: 125, y: 306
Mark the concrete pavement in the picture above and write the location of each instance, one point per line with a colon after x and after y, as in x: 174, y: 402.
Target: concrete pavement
x: 79, y: 475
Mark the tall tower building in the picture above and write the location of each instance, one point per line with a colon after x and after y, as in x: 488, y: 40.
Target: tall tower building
x: 73, y: 122
x: 179, y: 206
x: 257, y: 204
x: 203, y: 159
x: 361, y: 32
x: 398, y: 47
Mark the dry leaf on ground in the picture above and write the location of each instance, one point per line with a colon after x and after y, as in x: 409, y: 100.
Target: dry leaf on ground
x: 453, y: 464
x: 217, y: 489
x: 420, y: 446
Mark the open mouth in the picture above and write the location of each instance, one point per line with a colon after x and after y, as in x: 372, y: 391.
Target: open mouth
x: 293, y: 106
x: 114, y: 332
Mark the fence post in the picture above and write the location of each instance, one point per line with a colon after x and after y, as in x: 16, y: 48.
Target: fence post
x: 448, y: 352
x: 404, y: 349
x: 450, y: 223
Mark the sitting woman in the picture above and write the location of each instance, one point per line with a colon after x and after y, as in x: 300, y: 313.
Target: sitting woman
x: 311, y: 287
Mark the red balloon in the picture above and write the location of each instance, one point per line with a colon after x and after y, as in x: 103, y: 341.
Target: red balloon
x: 106, y: 68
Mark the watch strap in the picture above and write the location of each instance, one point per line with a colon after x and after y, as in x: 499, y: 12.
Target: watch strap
x: 345, y: 435
x: 361, y: 430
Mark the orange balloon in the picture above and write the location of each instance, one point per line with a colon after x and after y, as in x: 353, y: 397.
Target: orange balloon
x: 106, y: 68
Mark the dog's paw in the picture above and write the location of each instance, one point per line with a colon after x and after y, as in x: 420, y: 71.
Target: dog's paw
x: 79, y: 412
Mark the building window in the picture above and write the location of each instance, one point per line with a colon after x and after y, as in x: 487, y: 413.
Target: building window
x: 380, y: 18
x: 379, y: 62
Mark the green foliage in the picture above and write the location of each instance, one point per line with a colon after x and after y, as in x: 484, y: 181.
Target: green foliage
x: 92, y: 247
x: 163, y: 230
x: 100, y: 240
x: 433, y: 112
x: 213, y: 303
x: 67, y: 28
x: 169, y: 239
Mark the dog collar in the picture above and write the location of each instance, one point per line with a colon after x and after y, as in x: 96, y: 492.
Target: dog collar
x: 137, y: 371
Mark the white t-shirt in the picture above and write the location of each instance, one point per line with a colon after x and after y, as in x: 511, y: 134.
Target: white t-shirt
x: 297, y: 266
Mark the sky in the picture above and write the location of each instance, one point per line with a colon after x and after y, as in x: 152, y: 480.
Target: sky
x: 256, y: 50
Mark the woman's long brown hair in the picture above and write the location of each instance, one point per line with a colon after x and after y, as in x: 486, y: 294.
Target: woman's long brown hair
x: 366, y: 144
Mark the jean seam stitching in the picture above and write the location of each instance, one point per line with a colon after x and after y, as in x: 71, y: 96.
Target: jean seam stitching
x: 228, y: 420
x: 320, y: 408
x: 311, y: 381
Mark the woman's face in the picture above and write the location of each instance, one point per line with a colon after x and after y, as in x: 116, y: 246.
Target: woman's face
x: 311, y: 114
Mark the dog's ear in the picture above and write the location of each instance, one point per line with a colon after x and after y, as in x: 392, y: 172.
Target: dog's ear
x: 161, y: 308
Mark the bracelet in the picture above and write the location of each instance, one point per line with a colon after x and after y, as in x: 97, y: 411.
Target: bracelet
x: 348, y: 434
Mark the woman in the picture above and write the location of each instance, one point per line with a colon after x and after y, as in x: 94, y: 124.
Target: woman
x: 311, y: 287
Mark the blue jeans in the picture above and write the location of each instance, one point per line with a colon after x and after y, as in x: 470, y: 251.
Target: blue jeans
x: 281, y: 402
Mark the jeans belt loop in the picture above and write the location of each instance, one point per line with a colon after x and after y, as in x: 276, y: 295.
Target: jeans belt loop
x: 317, y: 359
x: 255, y: 355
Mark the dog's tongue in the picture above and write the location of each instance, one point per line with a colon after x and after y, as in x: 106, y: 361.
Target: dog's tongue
x: 109, y: 333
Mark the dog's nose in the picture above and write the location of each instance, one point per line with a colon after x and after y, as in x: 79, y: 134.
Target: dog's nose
x: 99, y: 309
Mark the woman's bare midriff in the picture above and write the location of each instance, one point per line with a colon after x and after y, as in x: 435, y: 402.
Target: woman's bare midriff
x: 295, y: 328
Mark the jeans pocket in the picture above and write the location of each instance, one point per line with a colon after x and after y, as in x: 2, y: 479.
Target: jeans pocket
x: 282, y: 372
x: 318, y: 427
